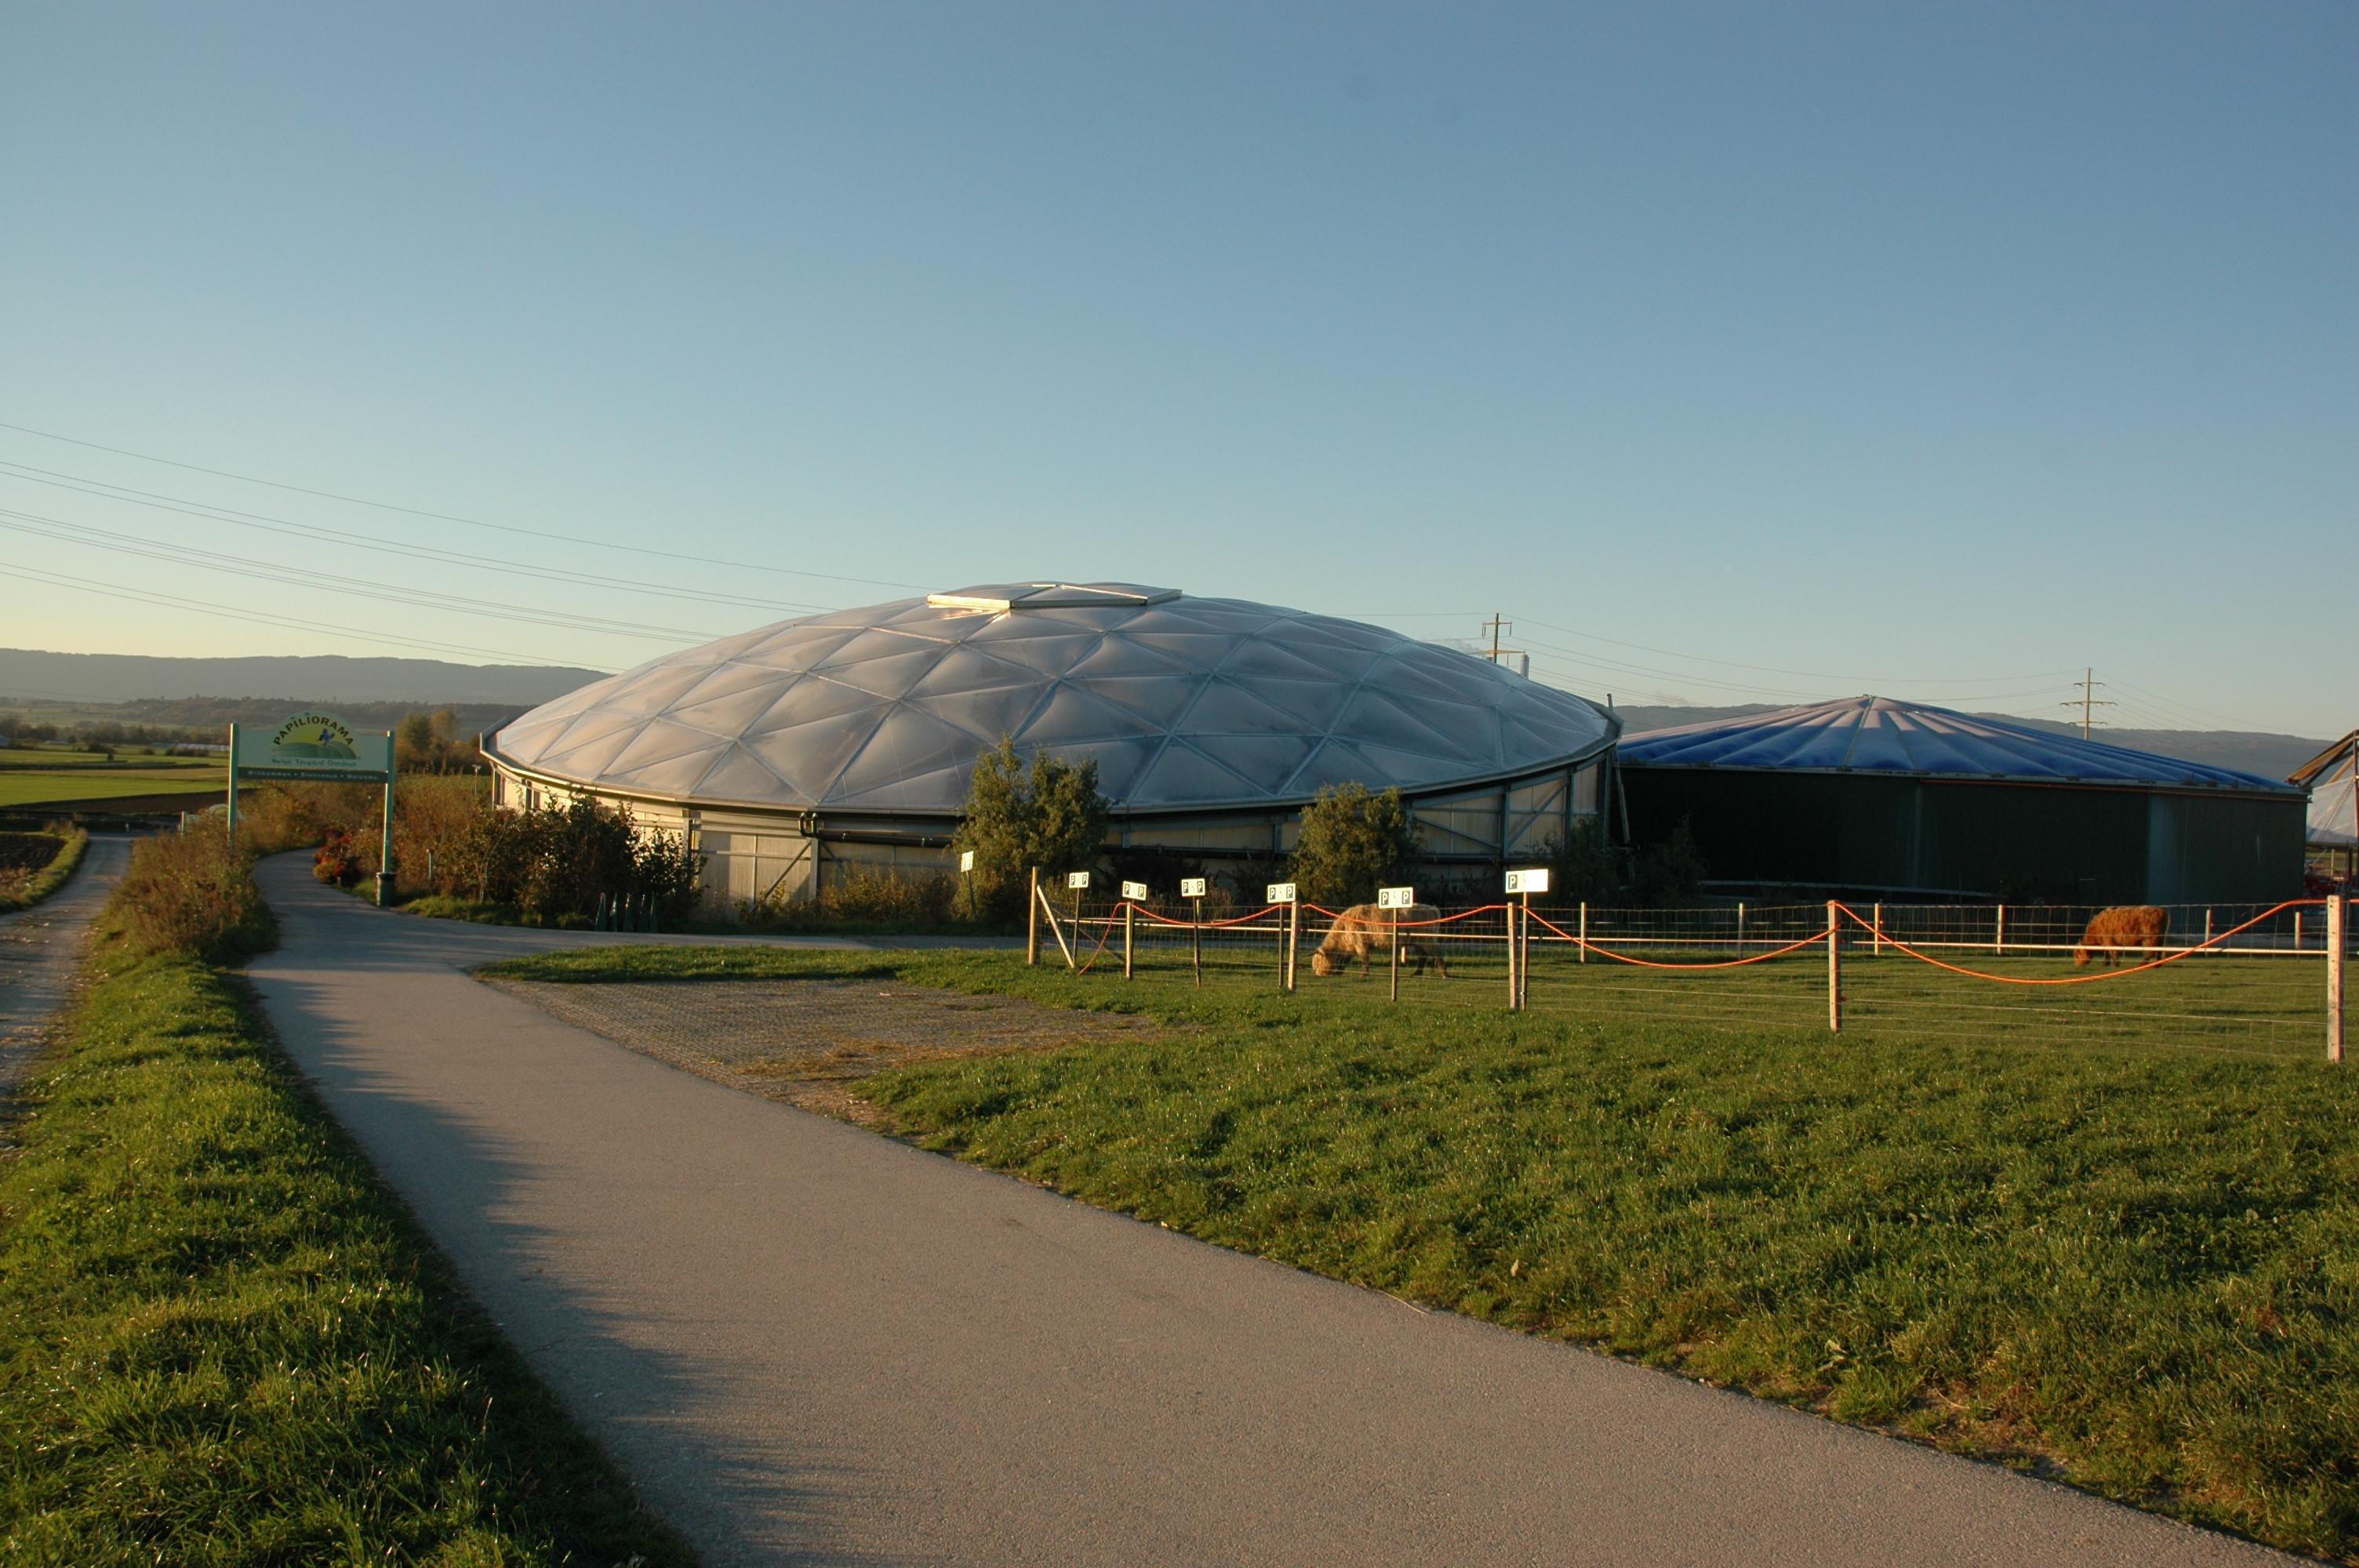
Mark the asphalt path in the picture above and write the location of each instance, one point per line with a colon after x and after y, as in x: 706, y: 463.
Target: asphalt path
x: 40, y: 953
x: 809, y: 1343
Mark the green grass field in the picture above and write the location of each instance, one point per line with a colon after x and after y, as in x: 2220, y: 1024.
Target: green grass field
x: 21, y: 786
x: 2130, y: 1265
x: 222, y: 1343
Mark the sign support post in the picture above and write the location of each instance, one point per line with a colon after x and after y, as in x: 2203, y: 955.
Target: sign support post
x: 1079, y: 881
x: 233, y: 786
x: 1192, y: 889
x: 1521, y: 885
x: 1131, y: 894
x: 1287, y: 931
x: 1393, y: 901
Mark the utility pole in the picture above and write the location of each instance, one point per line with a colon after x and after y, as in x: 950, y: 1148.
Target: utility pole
x: 2088, y: 683
x: 1495, y: 626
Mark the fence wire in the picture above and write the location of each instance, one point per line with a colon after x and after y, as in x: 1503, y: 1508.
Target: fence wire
x: 2261, y: 991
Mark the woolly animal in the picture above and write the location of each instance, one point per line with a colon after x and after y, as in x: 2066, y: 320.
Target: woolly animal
x: 1363, y: 931
x: 2138, y: 926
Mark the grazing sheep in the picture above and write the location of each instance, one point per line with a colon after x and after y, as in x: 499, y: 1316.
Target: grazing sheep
x: 2134, y: 925
x: 1365, y: 930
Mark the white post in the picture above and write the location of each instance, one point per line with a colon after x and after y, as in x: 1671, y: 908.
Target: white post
x: 2207, y: 928
x: 1879, y: 949
x: 2000, y: 947
x: 1032, y: 923
x: 2338, y: 922
x: 1127, y: 909
x: 1293, y: 938
x: 1510, y: 917
x: 1584, y: 931
x: 2297, y: 931
x: 1740, y: 930
x: 1834, y: 969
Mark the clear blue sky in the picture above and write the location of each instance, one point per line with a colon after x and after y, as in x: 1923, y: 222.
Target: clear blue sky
x: 1734, y: 352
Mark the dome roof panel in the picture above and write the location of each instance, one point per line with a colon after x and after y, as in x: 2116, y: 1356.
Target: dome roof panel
x: 1181, y: 700
x: 1873, y: 734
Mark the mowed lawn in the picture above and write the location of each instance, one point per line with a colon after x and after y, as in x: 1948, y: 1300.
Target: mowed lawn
x: 2133, y: 1267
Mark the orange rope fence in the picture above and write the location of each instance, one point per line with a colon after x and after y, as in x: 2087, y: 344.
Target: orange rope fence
x: 1814, y: 937
x: 1877, y: 930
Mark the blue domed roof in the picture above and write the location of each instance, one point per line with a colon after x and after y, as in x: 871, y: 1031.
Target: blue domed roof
x: 1185, y: 703
x: 1877, y: 735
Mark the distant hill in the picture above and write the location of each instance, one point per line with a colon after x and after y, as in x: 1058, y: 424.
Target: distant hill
x: 2271, y: 756
x: 321, y: 678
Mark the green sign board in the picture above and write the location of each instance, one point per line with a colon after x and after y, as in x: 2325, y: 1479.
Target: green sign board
x: 312, y: 746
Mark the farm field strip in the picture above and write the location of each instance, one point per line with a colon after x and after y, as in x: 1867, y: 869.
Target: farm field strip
x: 26, y: 786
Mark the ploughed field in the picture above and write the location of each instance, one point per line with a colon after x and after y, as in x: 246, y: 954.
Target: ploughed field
x: 2122, y: 1253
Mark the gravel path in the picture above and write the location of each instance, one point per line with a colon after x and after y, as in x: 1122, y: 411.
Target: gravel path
x: 40, y: 951
x: 801, y: 1041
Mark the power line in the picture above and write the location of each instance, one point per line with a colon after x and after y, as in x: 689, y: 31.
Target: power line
x: 85, y: 585
x: 320, y: 533
x: 1814, y: 675
x: 453, y: 518
x: 243, y: 566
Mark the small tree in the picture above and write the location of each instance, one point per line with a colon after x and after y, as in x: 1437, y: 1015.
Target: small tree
x: 1353, y: 842
x: 1050, y: 815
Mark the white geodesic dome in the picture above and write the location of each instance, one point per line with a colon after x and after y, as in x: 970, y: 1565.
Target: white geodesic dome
x: 1186, y: 703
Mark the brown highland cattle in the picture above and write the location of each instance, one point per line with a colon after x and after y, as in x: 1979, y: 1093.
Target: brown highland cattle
x: 1363, y: 931
x: 2140, y: 926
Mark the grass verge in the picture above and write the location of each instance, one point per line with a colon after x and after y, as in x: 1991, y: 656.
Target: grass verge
x: 222, y: 1342
x: 2133, y: 1270
x: 24, y: 890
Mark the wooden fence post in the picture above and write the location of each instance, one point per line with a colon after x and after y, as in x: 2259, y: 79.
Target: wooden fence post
x: 1834, y: 968
x: 1293, y: 938
x: 2338, y: 925
x: 1032, y: 923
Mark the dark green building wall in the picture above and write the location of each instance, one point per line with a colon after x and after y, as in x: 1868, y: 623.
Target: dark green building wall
x: 2075, y: 844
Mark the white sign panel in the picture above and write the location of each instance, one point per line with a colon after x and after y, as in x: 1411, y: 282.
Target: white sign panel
x: 1191, y: 887
x: 1397, y: 898
x: 1134, y: 891
x: 966, y: 860
x: 1531, y: 882
x: 1076, y: 879
x: 1279, y: 893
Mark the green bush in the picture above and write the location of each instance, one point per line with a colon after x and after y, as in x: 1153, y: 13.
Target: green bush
x: 194, y: 894
x: 1353, y: 842
x: 1050, y: 815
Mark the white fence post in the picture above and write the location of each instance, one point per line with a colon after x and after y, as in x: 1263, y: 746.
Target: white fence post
x: 1999, y: 947
x: 1584, y: 931
x: 1879, y: 931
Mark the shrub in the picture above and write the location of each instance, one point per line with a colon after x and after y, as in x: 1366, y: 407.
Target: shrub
x: 1353, y: 842
x: 876, y: 893
x: 190, y: 893
x: 35, y: 865
x: 1050, y: 817
x: 338, y: 861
